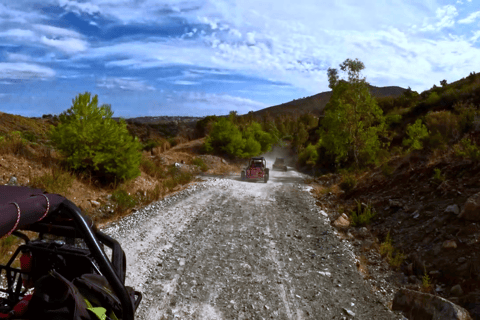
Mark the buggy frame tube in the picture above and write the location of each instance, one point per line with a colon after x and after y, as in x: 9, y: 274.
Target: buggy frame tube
x: 104, y: 263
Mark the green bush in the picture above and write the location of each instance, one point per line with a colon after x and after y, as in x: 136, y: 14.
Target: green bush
x: 433, y: 98
x: 416, y: 133
x: 438, y: 177
x: 467, y: 148
x: 123, y: 200
x: 348, y: 182
x: 90, y: 140
x: 363, y: 216
x: 200, y: 163
x: 308, y: 156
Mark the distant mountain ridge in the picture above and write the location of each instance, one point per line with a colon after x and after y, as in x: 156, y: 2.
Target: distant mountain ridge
x: 316, y: 103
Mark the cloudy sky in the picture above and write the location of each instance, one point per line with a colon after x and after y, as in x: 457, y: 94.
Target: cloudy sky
x: 203, y: 57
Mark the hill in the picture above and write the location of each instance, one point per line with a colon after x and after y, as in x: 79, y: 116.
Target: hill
x: 316, y: 103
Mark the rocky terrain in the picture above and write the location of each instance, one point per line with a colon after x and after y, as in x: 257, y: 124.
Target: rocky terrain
x: 430, y: 209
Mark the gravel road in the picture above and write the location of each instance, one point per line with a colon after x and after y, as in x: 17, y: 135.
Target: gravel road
x: 231, y: 249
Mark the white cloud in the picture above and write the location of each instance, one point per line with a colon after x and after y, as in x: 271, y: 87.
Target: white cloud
x: 64, y: 40
x: 445, y: 19
x: 16, y: 57
x: 84, y: 7
x: 124, y: 83
x: 219, y: 102
x: 8, y: 14
x: 24, y: 71
x: 68, y: 45
x: 55, y: 31
x: 476, y: 36
x: 471, y: 18
x: 185, y: 82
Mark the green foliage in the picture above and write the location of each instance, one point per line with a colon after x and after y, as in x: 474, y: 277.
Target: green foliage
x: 426, y: 281
x: 416, y: 133
x: 150, y: 144
x: 353, y: 121
x: 227, y: 137
x: 348, y: 182
x: 308, y: 156
x: 443, y: 127
x: 123, y: 200
x: 438, y: 177
x: 363, y: 216
x: 468, y: 149
x: 433, y: 98
x: 200, y: 163
x: 394, y: 258
x: 90, y: 140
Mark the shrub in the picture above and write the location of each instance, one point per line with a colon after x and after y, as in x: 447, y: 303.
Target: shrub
x: 55, y: 181
x: 123, y: 200
x: 150, y: 144
x: 200, y: 163
x: 308, y: 156
x: 348, y: 182
x: 152, y: 168
x: 416, y: 133
x: 426, y: 281
x: 387, y: 169
x: 433, y: 98
x: 363, y: 216
x: 394, y: 258
x: 467, y: 148
x: 443, y: 127
x: 90, y: 140
x: 438, y: 177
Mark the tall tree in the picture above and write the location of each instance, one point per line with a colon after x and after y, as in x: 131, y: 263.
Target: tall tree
x: 353, y: 120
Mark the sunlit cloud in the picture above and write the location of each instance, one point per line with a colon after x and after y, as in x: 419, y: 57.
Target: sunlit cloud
x: 24, y: 71
x: 128, y: 84
x: 471, y: 18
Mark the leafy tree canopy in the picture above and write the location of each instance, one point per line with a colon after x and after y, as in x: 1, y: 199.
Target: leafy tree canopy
x: 90, y: 140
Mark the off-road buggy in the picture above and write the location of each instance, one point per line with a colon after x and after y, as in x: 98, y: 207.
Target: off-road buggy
x: 256, y: 169
x: 64, y: 272
x: 279, y: 164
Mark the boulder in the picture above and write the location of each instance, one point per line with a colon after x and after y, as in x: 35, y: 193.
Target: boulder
x: 342, y: 222
x: 456, y: 291
x: 471, y: 210
x: 449, y: 244
x: 419, y: 306
x: 453, y: 209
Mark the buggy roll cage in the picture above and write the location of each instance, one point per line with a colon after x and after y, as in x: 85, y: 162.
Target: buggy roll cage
x: 78, y: 226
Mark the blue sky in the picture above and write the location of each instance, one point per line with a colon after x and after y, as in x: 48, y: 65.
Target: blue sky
x: 189, y: 57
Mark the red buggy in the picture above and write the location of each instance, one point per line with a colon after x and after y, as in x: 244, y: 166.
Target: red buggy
x: 256, y: 169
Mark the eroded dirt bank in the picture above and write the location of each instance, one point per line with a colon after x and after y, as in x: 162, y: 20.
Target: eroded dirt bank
x: 229, y: 249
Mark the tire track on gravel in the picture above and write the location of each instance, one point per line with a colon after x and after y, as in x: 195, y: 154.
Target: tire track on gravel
x: 244, y: 250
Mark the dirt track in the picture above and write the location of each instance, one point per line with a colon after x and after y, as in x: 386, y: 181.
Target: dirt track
x: 229, y: 249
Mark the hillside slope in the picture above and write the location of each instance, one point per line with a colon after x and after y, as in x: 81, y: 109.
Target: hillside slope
x: 316, y: 103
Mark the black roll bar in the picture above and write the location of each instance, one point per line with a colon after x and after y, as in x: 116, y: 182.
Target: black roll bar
x: 104, y: 263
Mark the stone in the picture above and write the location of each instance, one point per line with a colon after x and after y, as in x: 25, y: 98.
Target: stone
x: 95, y: 203
x: 349, y: 312
x: 13, y: 181
x: 456, y: 291
x: 461, y: 259
x: 471, y: 209
x: 419, y: 305
x: 449, y: 244
x: 453, y: 209
x: 342, y: 222
x: 395, y: 203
